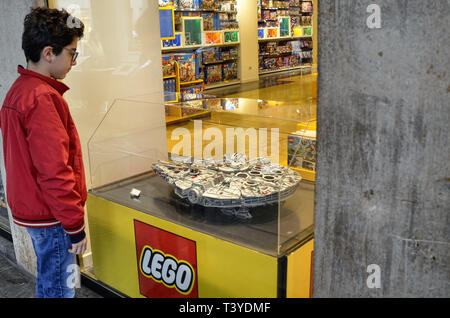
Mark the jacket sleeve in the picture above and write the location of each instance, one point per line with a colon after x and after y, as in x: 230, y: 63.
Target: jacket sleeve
x: 48, y: 142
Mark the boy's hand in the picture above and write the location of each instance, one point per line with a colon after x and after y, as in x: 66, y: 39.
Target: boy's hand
x: 79, y: 247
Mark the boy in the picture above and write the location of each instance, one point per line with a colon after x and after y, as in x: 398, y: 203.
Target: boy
x: 45, y: 182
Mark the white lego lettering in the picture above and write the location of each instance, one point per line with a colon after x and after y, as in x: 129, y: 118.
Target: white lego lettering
x: 184, y: 277
x: 157, y: 265
x: 166, y: 269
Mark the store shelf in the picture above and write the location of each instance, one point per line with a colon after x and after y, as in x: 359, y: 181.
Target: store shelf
x: 285, y: 38
x: 300, y: 27
x: 222, y: 61
x: 194, y: 47
x: 192, y: 82
x: 222, y: 84
x: 285, y: 69
x: 205, y: 10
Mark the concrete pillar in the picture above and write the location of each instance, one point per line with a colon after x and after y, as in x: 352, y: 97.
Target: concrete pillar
x: 249, y: 49
x: 12, y: 14
x: 383, y: 175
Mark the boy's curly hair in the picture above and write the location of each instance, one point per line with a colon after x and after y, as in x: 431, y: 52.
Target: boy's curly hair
x: 48, y: 27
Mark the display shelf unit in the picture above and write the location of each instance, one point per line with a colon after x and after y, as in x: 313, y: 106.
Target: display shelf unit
x: 179, y: 94
x: 179, y: 84
x: 285, y: 54
x: 217, y: 30
x: 205, y: 64
x: 171, y: 80
x: 273, y: 18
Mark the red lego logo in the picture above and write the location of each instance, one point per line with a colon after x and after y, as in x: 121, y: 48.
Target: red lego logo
x: 167, y: 263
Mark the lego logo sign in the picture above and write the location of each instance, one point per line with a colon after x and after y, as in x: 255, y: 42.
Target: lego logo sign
x: 167, y: 263
x: 167, y: 269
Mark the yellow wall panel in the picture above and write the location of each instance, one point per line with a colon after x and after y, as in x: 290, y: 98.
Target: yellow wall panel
x: 299, y: 272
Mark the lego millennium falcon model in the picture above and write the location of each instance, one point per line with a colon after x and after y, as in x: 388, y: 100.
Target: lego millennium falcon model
x: 233, y: 184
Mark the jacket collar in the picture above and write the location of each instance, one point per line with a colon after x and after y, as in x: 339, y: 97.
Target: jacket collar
x: 59, y: 86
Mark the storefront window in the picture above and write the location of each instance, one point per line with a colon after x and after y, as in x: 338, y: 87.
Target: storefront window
x: 142, y: 97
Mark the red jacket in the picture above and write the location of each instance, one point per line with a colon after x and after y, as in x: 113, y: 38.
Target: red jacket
x: 45, y: 182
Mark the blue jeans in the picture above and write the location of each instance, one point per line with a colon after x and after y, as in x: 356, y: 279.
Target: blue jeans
x: 54, y: 263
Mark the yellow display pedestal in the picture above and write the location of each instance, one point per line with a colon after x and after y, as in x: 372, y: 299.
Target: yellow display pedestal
x: 299, y: 272
x: 144, y: 256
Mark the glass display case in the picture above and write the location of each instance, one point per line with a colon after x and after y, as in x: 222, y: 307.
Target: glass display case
x: 222, y: 177
x: 123, y: 152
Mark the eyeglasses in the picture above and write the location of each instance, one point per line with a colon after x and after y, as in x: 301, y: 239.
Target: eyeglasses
x: 74, y: 54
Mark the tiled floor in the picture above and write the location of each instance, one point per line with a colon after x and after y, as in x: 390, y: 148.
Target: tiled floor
x: 13, y: 282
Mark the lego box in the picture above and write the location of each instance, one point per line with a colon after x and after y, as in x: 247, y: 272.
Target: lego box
x: 302, y: 151
x: 230, y: 71
x: 213, y: 37
x: 213, y: 73
x: 211, y: 55
x: 168, y: 65
x: 188, y: 64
